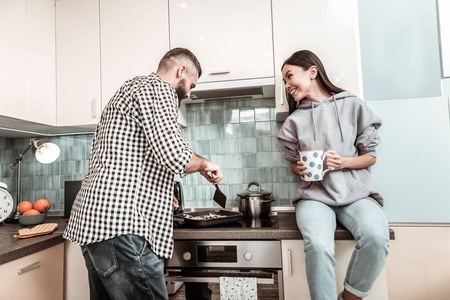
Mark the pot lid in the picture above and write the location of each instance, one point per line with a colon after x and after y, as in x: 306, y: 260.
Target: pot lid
x: 254, y: 190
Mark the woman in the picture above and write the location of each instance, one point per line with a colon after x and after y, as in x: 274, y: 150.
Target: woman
x: 323, y: 116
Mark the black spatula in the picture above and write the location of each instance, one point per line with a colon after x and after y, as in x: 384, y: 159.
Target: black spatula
x: 219, y: 197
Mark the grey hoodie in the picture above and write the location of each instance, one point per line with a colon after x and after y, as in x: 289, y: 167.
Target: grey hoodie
x: 342, y: 123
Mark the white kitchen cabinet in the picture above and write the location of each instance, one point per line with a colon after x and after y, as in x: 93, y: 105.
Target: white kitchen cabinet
x: 78, y: 62
x: 13, y: 63
x: 116, y: 41
x: 76, y: 280
x: 397, y: 64
x: 231, y: 39
x: 41, y: 58
x: 27, y: 60
x: 328, y: 28
x: 134, y: 38
x: 412, y: 161
x: 38, y: 276
x: 418, y: 262
x: 294, y: 270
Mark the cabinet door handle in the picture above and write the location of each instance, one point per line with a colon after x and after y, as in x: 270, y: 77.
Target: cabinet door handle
x: 29, y: 268
x: 211, y: 279
x: 283, y: 94
x: 94, y: 108
x: 220, y: 72
x: 289, y: 257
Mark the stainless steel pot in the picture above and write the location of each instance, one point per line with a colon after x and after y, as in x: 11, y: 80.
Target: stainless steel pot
x: 254, y: 202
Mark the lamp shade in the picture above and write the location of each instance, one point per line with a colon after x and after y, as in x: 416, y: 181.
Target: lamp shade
x: 45, y: 151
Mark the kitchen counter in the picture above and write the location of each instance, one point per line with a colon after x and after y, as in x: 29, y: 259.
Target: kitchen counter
x: 287, y: 230
x: 12, y: 248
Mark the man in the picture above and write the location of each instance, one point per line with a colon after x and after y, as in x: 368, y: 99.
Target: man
x: 122, y: 216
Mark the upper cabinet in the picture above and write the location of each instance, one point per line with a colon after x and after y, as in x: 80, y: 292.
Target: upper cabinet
x: 115, y: 41
x: 231, y: 39
x: 101, y: 44
x: 13, y: 58
x: 326, y: 27
x: 134, y: 38
x: 27, y: 60
x: 78, y: 62
x: 400, y: 49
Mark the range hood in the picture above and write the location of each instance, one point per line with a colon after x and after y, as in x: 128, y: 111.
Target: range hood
x: 235, y: 89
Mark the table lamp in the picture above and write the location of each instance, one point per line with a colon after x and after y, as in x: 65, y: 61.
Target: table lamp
x: 45, y: 152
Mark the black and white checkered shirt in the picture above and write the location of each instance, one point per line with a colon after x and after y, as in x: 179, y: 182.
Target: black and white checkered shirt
x: 137, y: 148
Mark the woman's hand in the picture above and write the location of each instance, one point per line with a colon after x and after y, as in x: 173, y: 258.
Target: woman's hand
x: 299, y: 169
x: 334, y: 161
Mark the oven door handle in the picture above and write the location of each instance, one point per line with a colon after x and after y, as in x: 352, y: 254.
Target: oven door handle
x: 212, y: 279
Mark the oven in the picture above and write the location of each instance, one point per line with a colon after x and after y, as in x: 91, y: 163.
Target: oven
x: 194, y: 271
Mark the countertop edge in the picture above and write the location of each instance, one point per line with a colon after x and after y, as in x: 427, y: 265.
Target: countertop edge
x: 267, y: 234
x: 14, y: 254
x: 14, y: 248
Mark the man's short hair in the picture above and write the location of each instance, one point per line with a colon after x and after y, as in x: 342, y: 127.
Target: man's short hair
x: 176, y: 57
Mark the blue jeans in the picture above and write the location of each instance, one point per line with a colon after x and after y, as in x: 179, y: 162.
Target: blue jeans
x: 366, y: 221
x: 124, y: 268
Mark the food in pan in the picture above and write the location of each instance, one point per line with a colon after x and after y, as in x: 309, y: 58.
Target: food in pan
x: 204, y: 217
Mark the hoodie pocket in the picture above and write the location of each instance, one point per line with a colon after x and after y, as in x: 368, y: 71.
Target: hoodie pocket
x: 354, y: 178
x: 302, y: 190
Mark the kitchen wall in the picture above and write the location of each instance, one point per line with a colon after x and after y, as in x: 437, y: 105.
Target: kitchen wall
x: 239, y: 135
x: 45, y: 181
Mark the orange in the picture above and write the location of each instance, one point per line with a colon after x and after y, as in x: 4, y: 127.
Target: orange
x: 31, y: 212
x: 24, y: 206
x: 42, y: 205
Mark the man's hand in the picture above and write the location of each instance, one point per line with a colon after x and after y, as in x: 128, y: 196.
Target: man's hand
x: 209, y: 170
x: 175, y: 203
x: 212, y: 173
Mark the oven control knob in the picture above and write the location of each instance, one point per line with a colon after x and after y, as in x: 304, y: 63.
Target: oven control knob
x: 247, y: 256
x: 187, y: 256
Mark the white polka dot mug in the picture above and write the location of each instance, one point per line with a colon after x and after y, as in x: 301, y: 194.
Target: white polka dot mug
x: 313, y: 160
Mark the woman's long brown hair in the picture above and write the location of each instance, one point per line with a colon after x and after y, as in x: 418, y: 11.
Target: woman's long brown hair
x: 306, y: 59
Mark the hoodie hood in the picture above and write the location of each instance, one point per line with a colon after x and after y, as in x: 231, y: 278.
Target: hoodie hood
x: 305, y: 104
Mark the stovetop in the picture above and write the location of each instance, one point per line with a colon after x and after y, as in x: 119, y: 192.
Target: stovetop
x: 268, y: 222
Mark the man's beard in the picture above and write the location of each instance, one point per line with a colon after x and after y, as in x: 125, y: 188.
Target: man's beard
x: 181, y: 91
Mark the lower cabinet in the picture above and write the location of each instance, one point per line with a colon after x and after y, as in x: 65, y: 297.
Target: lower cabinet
x: 38, y: 276
x: 294, y: 271
x: 76, y: 282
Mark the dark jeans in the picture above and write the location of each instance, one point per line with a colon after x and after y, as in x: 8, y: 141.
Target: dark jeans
x: 124, y: 268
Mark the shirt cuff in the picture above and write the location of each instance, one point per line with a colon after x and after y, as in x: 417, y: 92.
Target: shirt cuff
x: 185, y: 158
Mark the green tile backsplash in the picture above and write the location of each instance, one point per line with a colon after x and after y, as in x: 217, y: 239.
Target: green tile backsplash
x: 45, y: 181
x: 239, y: 135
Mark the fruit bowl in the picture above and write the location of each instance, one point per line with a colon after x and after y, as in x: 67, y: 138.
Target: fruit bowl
x: 32, y: 219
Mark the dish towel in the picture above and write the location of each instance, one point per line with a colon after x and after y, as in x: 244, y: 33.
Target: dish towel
x: 238, y: 288
x: 41, y: 229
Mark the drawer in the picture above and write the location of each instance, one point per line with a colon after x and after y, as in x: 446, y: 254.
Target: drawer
x: 38, y: 276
